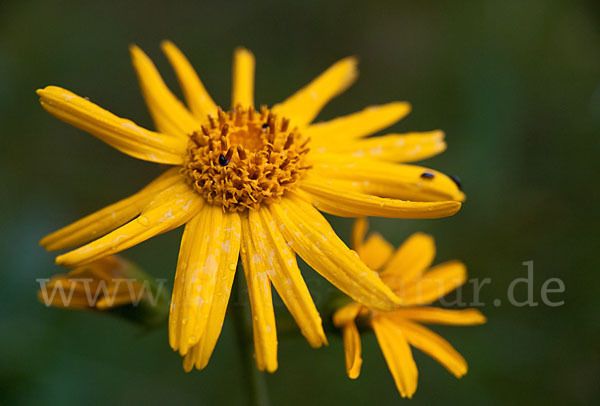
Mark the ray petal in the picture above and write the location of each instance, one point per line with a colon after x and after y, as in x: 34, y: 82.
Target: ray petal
x: 376, y: 251
x: 110, y: 217
x: 346, y: 314
x: 359, y: 230
x: 169, y: 209
x: 436, y: 315
x: 408, y: 147
x: 385, y: 179
x: 283, y: 272
x: 397, y: 354
x: 352, y: 349
x: 230, y: 253
x: 169, y: 114
x: 243, y: 78
x: 197, y: 98
x: 311, y: 236
x: 327, y: 196
x: 344, y: 130
x: 434, y: 284
x: 117, y: 132
x: 304, y: 105
x: 261, y: 301
x: 205, y: 272
x: 435, y: 346
x: 409, y: 261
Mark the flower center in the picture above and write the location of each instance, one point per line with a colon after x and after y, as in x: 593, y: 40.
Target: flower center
x: 245, y: 158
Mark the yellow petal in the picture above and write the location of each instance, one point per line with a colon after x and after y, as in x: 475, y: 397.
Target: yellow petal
x: 117, y: 132
x: 344, y: 130
x: 261, y: 301
x: 194, y: 92
x: 397, y: 354
x: 346, y: 314
x: 352, y: 350
x: 411, y: 259
x: 437, y: 282
x: 309, y: 234
x: 109, y: 218
x: 434, y: 346
x: 283, y: 272
x: 231, y: 248
x: 408, y: 147
x: 304, y: 105
x: 169, y: 114
x: 384, y: 179
x: 376, y: 251
x: 243, y: 78
x: 61, y: 291
x: 205, y: 270
x: 327, y: 196
x: 359, y: 230
x: 190, y: 358
x: 442, y: 316
x: 169, y: 209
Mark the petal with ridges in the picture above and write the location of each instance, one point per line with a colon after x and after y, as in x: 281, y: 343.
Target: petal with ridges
x: 408, y: 147
x: 304, y: 105
x: 117, y: 132
x: 243, y: 78
x: 169, y: 209
x: 435, y: 346
x: 435, y: 283
x: 205, y: 270
x: 436, y: 315
x: 385, y: 179
x: 169, y: 114
x: 331, y: 199
x: 108, y: 218
x: 261, y: 301
x: 231, y: 248
x: 311, y: 236
x: 343, y: 130
x: 197, y: 98
x: 352, y: 350
x: 397, y: 354
x: 411, y: 259
x: 283, y: 272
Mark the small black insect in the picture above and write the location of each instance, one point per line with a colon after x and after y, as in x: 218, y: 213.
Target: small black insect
x: 456, y: 180
x: 223, y: 161
x: 265, y: 126
x: 427, y: 175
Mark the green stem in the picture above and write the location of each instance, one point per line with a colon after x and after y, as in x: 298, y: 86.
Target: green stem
x: 256, y: 386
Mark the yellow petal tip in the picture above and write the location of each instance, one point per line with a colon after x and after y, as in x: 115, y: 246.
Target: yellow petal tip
x: 166, y: 44
x: 244, y: 51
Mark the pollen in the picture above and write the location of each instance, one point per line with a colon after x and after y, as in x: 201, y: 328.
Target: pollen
x: 244, y: 158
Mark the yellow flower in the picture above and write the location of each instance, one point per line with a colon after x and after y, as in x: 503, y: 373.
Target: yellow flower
x: 407, y: 272
x: 246, y: 182
x: 110, y: 284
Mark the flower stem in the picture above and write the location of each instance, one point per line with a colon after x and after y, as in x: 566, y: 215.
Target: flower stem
x: 256, y: 386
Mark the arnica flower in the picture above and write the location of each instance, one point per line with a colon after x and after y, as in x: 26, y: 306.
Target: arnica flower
x: 248, y: 182
x: 407, y: 272
x: 112, y: 285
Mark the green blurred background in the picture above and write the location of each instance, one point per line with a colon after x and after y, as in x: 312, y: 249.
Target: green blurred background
x: 516, y: 86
